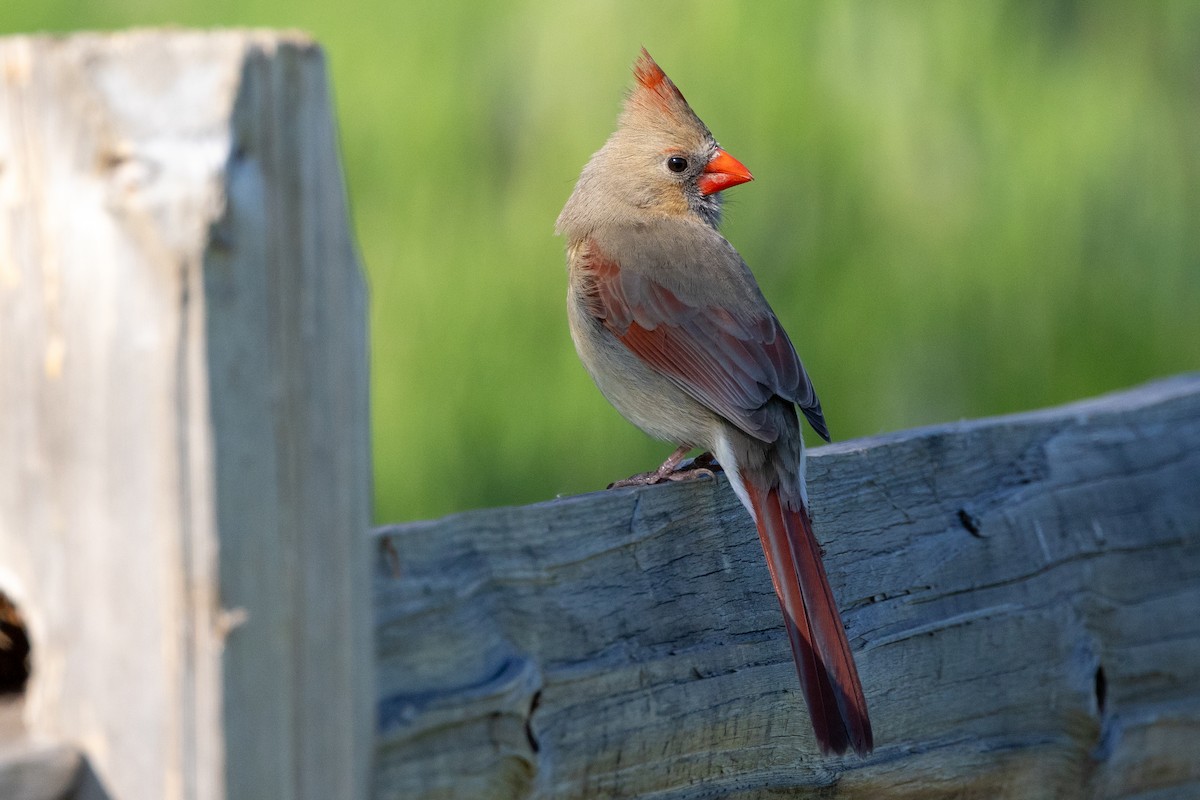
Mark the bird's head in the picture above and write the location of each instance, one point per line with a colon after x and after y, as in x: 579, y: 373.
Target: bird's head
x: 662, y: 159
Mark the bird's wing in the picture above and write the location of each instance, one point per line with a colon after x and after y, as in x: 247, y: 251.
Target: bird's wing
x: 732, y: 356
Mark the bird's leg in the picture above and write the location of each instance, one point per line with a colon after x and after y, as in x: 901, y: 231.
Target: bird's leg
x: 701, y: 467
x: 649, y: 478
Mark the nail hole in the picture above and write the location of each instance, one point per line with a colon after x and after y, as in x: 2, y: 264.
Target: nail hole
x: 969, y: 521
x: 1101, y: 689
x: 14, y: 648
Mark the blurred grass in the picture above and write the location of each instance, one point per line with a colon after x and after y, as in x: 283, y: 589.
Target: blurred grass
x: 960, y: 209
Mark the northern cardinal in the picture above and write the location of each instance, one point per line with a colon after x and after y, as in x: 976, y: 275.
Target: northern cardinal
x: 675, y: 332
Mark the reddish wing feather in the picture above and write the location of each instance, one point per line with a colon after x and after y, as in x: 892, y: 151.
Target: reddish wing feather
x: 733, y: 366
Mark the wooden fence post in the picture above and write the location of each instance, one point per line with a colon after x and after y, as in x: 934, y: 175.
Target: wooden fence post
x: 1023, y: 594
x: 184, y: 462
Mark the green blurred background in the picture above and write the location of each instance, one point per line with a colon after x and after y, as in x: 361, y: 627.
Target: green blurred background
x: 961, y: 208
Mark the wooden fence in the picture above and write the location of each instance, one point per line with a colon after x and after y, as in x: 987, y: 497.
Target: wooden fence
x: 1023, y: 595
x: 184, y: 495
x: 185, y: 474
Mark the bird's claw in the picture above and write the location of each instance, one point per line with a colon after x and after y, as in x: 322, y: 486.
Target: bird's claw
x: 691, y: 474
x: 702, y: 466
x: 641, y: 479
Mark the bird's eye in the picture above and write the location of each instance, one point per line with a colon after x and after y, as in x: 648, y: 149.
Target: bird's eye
x: 677, y: 163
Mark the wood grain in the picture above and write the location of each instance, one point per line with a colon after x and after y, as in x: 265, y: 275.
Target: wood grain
x: 184, y: 465
x: 1023, y: 595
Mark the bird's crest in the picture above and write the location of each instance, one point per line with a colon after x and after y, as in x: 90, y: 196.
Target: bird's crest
x: 652, y: 79
x: 655, y: 94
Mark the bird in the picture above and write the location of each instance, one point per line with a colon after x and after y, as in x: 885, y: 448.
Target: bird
x: 675, y: 332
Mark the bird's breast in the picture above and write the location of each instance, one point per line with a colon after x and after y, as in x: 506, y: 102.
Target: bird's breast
x: 641, y: 394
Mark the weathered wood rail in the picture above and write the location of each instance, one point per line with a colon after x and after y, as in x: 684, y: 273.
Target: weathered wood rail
x: 184, y: 495
x: 1023, y: 594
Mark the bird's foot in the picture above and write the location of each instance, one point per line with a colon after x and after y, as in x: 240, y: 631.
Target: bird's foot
x: 702, y: 466
x: 675, y: 468
x: 641, y: 479
x: 691, y: 474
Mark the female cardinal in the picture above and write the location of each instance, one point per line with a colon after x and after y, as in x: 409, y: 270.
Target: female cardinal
x: 675, y: 332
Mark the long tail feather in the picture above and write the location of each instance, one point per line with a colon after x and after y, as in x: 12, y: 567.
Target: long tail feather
x: 828, y: 676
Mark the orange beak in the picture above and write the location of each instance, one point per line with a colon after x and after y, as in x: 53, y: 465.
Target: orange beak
x: 722, y: 171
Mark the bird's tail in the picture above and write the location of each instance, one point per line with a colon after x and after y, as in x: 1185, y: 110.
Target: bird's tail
x: 828, y: 676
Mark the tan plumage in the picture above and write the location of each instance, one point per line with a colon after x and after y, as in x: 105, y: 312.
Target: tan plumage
x: 672, y: 326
